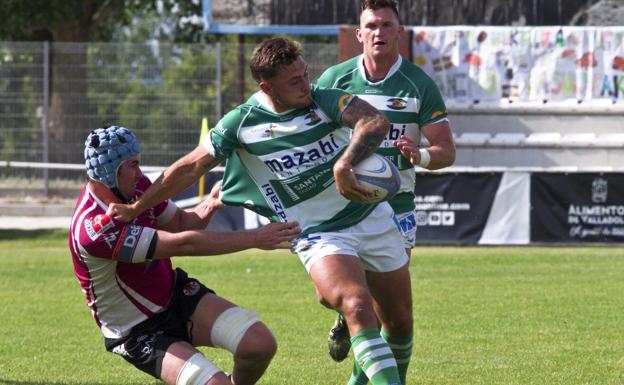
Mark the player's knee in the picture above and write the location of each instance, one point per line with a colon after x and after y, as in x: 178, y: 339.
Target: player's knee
x: 323, y: 301
x: 241, y: 332
x: 400, y: 328
x: 197, y: 370
x: 258, y: 344
x: 357, y: 305
x: 400, y: 324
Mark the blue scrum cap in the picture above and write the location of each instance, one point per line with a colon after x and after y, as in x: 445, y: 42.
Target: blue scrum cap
x: 105, y: 150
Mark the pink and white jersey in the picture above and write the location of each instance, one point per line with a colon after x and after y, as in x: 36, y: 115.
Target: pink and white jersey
x: 112, y: 261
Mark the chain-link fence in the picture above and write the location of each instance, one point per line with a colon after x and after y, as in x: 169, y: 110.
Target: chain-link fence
x: 53, y: 94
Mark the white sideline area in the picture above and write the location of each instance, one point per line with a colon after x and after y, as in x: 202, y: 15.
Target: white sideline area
x: 540, y: 139
x: 38, y: 219
x: 513, y: 194
x: 34, y: 223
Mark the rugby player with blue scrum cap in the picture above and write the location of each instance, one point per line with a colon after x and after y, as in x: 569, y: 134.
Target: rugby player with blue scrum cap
x: 152, y: 315
x: 293, y: 146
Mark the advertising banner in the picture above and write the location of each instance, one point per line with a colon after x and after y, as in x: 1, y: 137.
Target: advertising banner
x: 453, y: 208
x: 494, y: 65
x: 492, y: 208
x: 577, y: 207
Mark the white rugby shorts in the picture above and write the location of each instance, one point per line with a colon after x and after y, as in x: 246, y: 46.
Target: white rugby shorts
x: 376, y: 241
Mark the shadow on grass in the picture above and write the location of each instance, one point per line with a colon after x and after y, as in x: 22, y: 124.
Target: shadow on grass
x: 16, y: 234
x: 14, y: 382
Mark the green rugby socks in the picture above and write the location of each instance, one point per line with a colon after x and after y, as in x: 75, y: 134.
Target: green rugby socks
x: 358, y: 377
x: 402, y: 351
x: 375, y: 358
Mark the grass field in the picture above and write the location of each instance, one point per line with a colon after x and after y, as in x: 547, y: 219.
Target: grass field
x: 548, y: 316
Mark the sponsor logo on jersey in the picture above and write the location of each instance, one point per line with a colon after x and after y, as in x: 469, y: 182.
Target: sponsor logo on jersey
x: 98, y: 225
x: 396, y: 103
x: 344, y: 101
x: 220, y: 129
x: 269, y: 131
x: 271, y: 196
x: 310, y: 183
x: 111, y: 238
x: 371, y: 91
x: 323, y: 148
x: 124, y: 251
x: 131, y: 237
x: 191, y: 288
x: 261, y: 131
x: 396, y: 131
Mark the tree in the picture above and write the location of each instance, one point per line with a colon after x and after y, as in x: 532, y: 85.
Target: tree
x: 79, y: 21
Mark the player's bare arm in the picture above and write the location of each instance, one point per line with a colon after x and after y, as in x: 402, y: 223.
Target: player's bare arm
x: 369, y: 128
x: 175, y: 179
x: 196, y: 242
x: 442, y: 149
x: 198, y: 217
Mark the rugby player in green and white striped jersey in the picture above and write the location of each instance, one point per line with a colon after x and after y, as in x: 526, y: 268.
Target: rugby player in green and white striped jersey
x: 412, y: 102
x: 289, y: 154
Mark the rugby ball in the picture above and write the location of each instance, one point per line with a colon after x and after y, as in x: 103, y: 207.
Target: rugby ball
x: 380, y: 175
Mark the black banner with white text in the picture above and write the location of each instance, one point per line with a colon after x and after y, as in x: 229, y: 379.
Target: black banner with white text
x: 453, y: 208
x: 577, y: 207
x: 500, y: 208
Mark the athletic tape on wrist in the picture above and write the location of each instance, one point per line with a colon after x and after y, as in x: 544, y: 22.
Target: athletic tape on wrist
x: 425, y: 158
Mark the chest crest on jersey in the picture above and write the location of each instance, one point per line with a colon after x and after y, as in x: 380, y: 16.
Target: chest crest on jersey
x: 396, y: 103
x: 312, y: 119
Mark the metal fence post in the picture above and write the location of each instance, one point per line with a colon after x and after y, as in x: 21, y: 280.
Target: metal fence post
x: 44, y: 121
x: 218, y: 83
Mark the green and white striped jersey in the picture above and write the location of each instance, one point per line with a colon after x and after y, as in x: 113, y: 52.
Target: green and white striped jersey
x: 408, y: 97
x: 280, y: 165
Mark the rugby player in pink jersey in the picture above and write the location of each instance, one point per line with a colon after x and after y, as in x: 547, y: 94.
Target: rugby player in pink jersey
x: 152, y: 315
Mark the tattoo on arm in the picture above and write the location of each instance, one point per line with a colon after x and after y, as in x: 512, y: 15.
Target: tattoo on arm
x: 369, y: 128
x: 363, y: 144
x: 356, y: 110
x: 211, y: 163
x: 176, y: 178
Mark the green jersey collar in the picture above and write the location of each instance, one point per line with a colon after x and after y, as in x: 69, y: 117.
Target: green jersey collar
x: 393, y: 69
